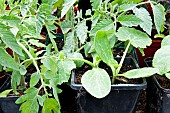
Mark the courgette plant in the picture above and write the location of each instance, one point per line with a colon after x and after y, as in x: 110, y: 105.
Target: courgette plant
x: 123, y: 21
x: 20, y: 29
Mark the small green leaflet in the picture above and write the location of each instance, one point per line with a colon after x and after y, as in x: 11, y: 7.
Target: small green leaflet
x: 106, y: 24
x: 76, y: 55
x: 129, y: 20
x: 9, y: 61
x: 161, y: 59
x: 144, y: 15
x: 70, y: 43
x: 64, y: 70
x: 97, y: 82
x: 15, y: 80
x: 66, y: 25
x: 9, y: 39
x: 140, y: 73
x: 81, y: 31
x: 66, y: 6
x: 5, y: 93
x: 29, y: 101
x: 36, y: 43
x: 159, y: 16
x: 51, y: 106
x: 137, y: 38
x: 35, y: 77
x: 96, y: 4
x: 126, y: 7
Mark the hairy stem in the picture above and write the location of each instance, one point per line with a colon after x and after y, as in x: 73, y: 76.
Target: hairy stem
x: 123, y: 58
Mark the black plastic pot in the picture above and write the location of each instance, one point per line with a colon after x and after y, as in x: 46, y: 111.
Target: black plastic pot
x: 7, y: 105
x: 122, y: 98
x: 158, y: 97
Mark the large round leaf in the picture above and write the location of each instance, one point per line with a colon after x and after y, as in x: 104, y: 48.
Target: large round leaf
x: 166, y: 41
x: 161, y: 59
x: 97, y: 82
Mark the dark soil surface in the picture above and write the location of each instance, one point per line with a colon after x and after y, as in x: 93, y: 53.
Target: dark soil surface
x: 163, y: 81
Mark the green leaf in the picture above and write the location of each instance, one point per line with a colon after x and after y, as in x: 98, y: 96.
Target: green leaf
x: 137, y: 38
x: 140, y: 73
x: 106, y: 24
x: 167, y: 75
x: 161, y: 59
x: 165, y: 41
x: 126, y: 7
x: 76, y: 55
x: 30, y: 94
x: 71, y: 43
x: 103, y: 49
x: 159, y: 16
x: 66, y: 25
x: 36, y: 43
x: 11, y: 20
x: 22, y: 70
x: 66, y: 6
x: 35, y: 77
x: 7, y: 60
x: 51, y: 106
x: 81, y: 31
x: 96, y: 4
x: 129, y: 20
x: 65, y: 70
x: 5, y: 93
x: 9, y: 39
x: 15, y: 80
x: 97, y: 82
x: 144, y: 15
x: 30, y: 106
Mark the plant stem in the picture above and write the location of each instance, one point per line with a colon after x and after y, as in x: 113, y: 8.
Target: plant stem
x: 123, y: 57
x: 113, y: 73
x: 83, y: 60
x: 34, y: 62
x: 52, y: 40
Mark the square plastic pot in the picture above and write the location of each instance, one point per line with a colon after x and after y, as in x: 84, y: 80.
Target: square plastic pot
x: 123, y: 98
x: 158, y: 97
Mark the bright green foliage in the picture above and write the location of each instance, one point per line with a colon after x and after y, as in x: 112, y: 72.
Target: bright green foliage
x: 140, y: 73
x: 161, y: 59
x: 7, y: 60
x: 81, y: 31
x: 159, y: 16
x: 65, y: 70
x: 5, y: 93
x: 35, y: 77
x: 99, y: 79
x: 126, y: 7
x: 29, y: 101
x: 165, y: 41
x: 76, y: 55
x: 144, y: 15
x: 96, y: 4
x: 136, y: 37
x: 102, y: 47
x: 51, y: 106
x: 129, y: 20
x: 71, y: 43
x: 9, y: 39
x: 16, y: 78
x: 106, y: 24
x: 66, y: 6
